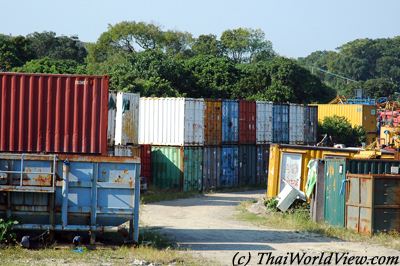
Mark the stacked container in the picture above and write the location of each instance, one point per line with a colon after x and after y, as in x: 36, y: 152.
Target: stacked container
x: 175, y: 129
x: 264, y: 137
x: 280, y: 123
x: 212, y: 144
x: 310, y: 125
x: 296, y: 123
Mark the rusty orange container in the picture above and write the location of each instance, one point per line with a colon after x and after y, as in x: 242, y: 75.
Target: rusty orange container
x: 213, y: 122
x: 247, y: 122
x: 45, y: 113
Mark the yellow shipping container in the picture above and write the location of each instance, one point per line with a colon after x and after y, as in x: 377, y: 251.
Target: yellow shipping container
x: 303, y: 154
x: 357, y: 114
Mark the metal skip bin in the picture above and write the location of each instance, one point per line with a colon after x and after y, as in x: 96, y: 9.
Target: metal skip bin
x: 334, y: 206
x: 70, y: 192
x: 373, y: 203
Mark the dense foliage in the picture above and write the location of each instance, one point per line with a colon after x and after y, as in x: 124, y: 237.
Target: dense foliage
x: 142, y: 57
x: 374, y: 65
x: 339, y: 129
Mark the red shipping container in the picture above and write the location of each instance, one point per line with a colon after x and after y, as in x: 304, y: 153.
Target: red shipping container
x: 247, y: 122
x: 145, y: 160
x: 46, y: 113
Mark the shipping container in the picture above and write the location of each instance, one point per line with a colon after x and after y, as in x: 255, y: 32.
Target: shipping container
x: 145, y: 163
x: 178, y: 168
x: 296, y: 123
x: 211, y: 168
x: 171, y: 121
x: 334, y: 206
x: 46, y: 113
x: 357, y: 114
x: 310, y: 125
x: 264, y: 122
x: 70, y: 192
x: 247, y: 122
x: 212, y: 122
x: 373, y: 203
x: 247, y: 165
x: 262, y: 165
x: 167, y: 167
x: 229, y: 166
x: 127, y: 119
x: 192, y: 169
x: 112, y: 110
x: 280, y: 123
x: 372, y: 166
x: 295, y: 157
x: 230, y: 121
x: 126, y: 151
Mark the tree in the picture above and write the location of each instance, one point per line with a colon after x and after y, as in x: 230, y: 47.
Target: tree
x: 207, y: 45
x: 14, y: 52
x: 246, y: 45
x: 51, y: 66
x: 341, y: 131
x: 48, y: 44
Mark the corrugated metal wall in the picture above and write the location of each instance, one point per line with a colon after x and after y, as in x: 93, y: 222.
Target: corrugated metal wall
x: 171, y: 121
x: 262, y: 164
x: 193, y: 169
x: 167, y: 167
x: 264, y: 122
x: 296, y: 123
x: 211, y: 167
x: 212, y: 122
x: 53, y: 113
x: 247, y: 164
x: 112, y: 110
x: 230, y: 122
x: 310, y: 125
x: 145, y: 163
x: 247, y: 122
x: 127, y: 119
x: 229, y: 166
x: 280, y: 123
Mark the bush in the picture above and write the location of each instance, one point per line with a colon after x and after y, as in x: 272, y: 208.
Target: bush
x: 7, y: 236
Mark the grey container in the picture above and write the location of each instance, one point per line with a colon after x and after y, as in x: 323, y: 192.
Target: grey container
x: 211, y: 167
x: 247, y: 165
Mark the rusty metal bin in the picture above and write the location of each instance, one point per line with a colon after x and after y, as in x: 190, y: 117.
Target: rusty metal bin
x: 373, y: 203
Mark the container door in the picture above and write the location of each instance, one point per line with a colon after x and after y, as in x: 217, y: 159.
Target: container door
x: 229, y: 167
x: 335, y: 175
x: 193, y: 160
x: 211, y: 167
x: 247, y: 165
x: 262, y: 164
x: 166, y: 167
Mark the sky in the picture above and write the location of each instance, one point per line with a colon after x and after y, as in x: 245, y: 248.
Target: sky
x: 295, y: 27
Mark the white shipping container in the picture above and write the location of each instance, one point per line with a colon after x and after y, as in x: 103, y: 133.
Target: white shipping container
x: 171, y: 121
x: 112, y: 108
x: 296, y: 123
x: 264, y: 122
x: 127, y: 119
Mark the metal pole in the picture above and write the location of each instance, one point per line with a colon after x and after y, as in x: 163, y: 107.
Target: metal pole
x: 64, y: 193
x: 136, y: 209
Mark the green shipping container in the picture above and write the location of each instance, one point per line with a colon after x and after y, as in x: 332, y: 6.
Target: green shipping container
x: 334, y: 207
x: 178, y: 168
x: 193, y: 169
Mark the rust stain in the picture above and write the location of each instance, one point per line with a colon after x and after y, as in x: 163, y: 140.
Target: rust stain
x: 119, y: 179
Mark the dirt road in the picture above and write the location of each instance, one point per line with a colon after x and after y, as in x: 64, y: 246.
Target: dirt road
x: 207, y: 226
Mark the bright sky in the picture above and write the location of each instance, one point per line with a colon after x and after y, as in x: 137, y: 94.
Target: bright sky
x: 295, y: 27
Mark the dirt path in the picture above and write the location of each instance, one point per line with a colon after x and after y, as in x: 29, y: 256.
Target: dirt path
x: 206, y: 225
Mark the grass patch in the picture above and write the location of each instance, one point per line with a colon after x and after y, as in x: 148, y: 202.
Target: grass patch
x: 300, y: 220
x: 153, y: 247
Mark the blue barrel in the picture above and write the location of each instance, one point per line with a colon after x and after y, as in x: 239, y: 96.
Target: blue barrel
x: 230, y: 121
x: 280, y: 123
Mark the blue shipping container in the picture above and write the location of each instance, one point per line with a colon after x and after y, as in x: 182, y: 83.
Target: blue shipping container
x: 229, y: 167
x: 230, y: 121
x: 280, y: 123
x: 262, y: 165
x: 70, y: 192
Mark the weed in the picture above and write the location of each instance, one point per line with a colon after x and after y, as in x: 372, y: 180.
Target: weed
x: 7, y: 236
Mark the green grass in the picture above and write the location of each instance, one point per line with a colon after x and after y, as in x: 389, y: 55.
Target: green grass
x: 153, y: 247
x: 299, y: 220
